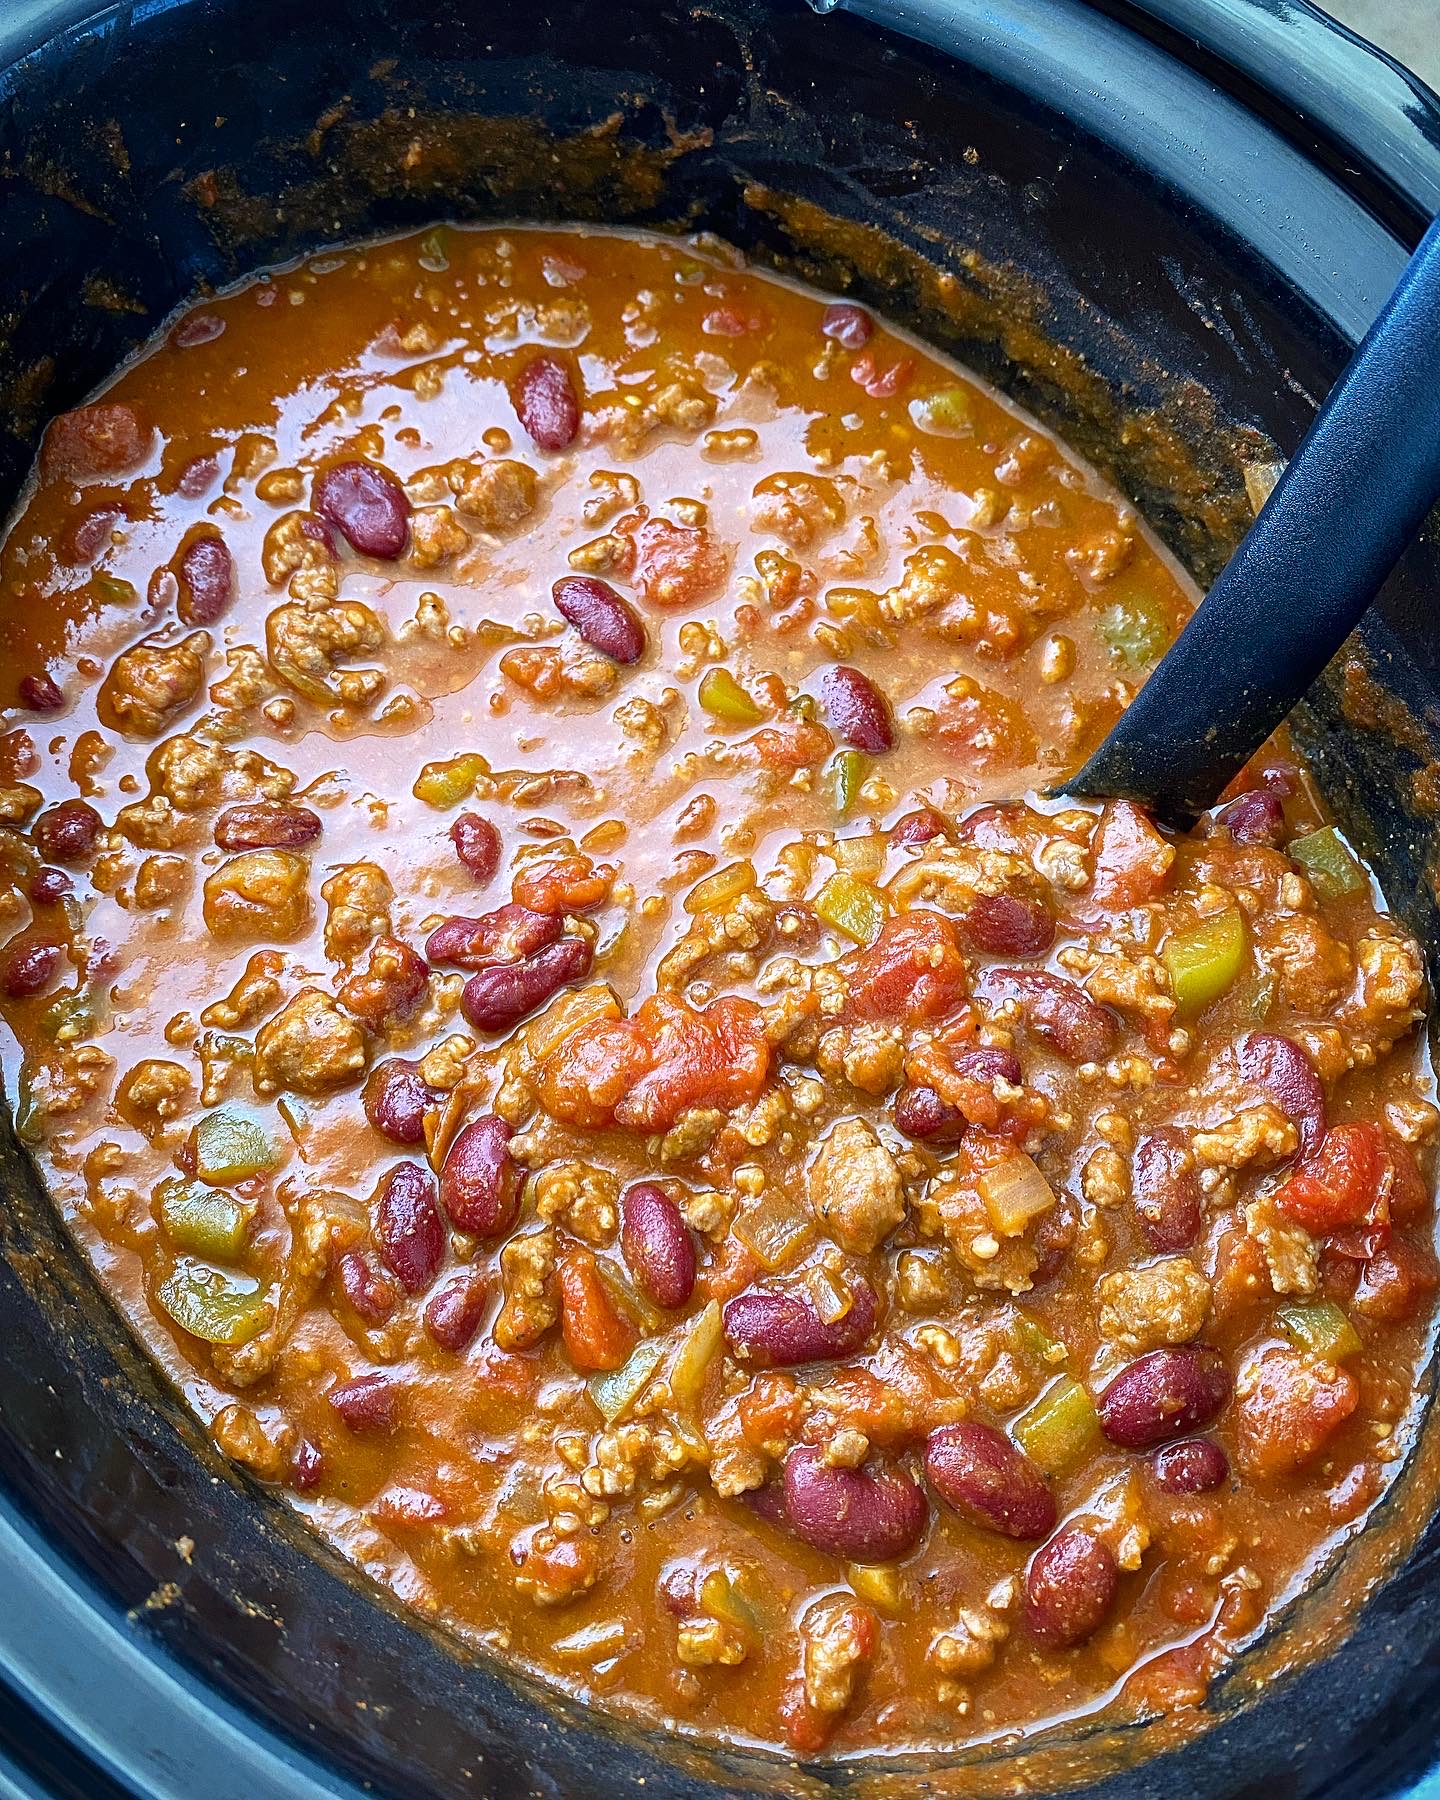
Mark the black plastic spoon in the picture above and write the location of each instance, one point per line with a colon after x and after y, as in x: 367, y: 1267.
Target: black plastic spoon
x: 1350, y: 500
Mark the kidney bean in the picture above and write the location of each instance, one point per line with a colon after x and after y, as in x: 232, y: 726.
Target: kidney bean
x: 1069, y: 1587
x: 603, y: 619
x: 783, y: 1329
x: 858, y: 712
x: 29, y: 967
x: 408, y: 1227
x: 66, y: 833
x: 866, y: 1515
x: 1196, y: 1466
x: 1009, y: 925
x: 678, y: 1587
x: 453, y: 1312
x: 1052, y: 1238
x: 1054, y: 1008
x: 850, y: 326
x: 1164, y: 1395
x: 769, y: 1502
x: 90, y: 534
x: 1287, y: 1074
x: 983, y: 1475
x: 207, y: 580
x: 368, y: 505
x: 509, y: 932
x: 307, y: 1466
x: 477, y: 844
x: 49, y: 886
x: 395, y: 1099
x: 658, y: 1247
x: 1255, y: 818
x: 1166, y: 1188
x: 918, y: 827
x: 266, y: 825
x: 197, y: 475
x: 546, y: 403
x: 365, y: 1288
x: 366, y: 1404
x: 480, y: 1182
x: 41, y: 693
x: 496, y: 998
x: 921, y: 1113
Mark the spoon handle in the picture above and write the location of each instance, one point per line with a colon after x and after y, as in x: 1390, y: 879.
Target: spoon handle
x: 1352, y: 497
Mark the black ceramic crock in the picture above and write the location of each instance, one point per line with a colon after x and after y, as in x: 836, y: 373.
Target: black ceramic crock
x: 1159, y: 225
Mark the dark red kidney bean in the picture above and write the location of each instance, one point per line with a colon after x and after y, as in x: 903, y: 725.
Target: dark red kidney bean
x: 1052, y: 1238
x: 657, y: 1245
x: 67, y: 832
x: 857, y: 710
x: 605, y: 621
x: 1054, y: 1008
x: 395, y: 1099
x: 1286, y: 1073
x: 107, y: 438
x: 850, y: 326
x: 784, y: 1329
x: 480, y: 1182
x: 197, y: 475
x: 199, y: 328
x: 207, y: 580
x: 90, y: 534
x: 1009, y: 925
x: 866, y: 1515
x: 509, y: 932
x: 307, y: 1466
x: 1166, y: 1188
x: 1196, y: 1466
x: 453, y: 1312
x: 546, y: 403
x: 40, y: 693
x: 49, y: 886
x: 1165, y: 1394
x: 678, y: 1585
x: 769, y: 1502
x: 408, y: 1227
x: 1255, y: 818
x: 266, y: 825
x: 983, y: 1475
x: 921, y: 1114
x: 988, y: 1062
x: 367, y: 505
x: 366, y: 1404
x: 918, y: 827
x: 1069, y: 1588
x: 1281, y: 778
x: 496, y: 998
x: 365, y: 1288
x: 29, y: 967
x: 477, y: 844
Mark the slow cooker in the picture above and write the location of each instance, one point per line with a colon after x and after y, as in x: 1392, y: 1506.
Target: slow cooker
x: 1160, y: 226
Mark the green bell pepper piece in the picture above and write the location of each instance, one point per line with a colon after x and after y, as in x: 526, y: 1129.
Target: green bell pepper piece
x: 1204, y: 959
x: 445, y: 784
x: 1320, y: 1328
x: 203, y: 1220
x: 1136, y: 629
x: 231, y: 1145
x: 214, y: 1306
x: 722, y: 696
x: 852, y: 906
x: 1332, y: 871
x: 1060, y: 1429
x: 847, y: 771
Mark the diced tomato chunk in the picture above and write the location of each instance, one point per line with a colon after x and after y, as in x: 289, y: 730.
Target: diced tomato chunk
x: 677, y: 565
x: 1397, y: 1280
x: 1409, y: 1194
x: 1132, y: 859
x: 644, y: 1072
x: 913, y: 971
x: 1341, y: 1183
x: 987, y: 729
x: 1286, y: 1410
x: 596, y: 1337
x: 564, y: 884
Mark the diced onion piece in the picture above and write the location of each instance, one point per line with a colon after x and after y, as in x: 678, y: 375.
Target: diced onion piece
x: 777, y: 1229
x: 566, y: 1013
x: 697, y: 1351
x: 879, y: 1585
x: 833, y: 1297
x: 1015, y: 1193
